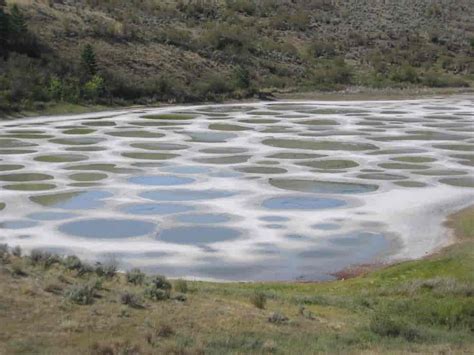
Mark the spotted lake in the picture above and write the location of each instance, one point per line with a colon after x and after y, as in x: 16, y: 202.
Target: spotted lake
x: 264, y: 191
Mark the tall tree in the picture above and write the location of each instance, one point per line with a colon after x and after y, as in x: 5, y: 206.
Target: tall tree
x: 17, y: 23
x: 89, y: 62
x: 4, y: 32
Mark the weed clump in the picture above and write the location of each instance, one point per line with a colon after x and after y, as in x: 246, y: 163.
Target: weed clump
x: 258, y: 299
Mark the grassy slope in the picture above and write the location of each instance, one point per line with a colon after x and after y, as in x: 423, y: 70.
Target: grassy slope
x: 425, y: 305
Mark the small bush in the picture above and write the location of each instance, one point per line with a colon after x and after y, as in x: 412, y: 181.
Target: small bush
x: 81, y: 294
x: 130, y: 299
x: 135, y: 276
x: 181, y: 286
x: 160, y: 282
x: 405, y: 74
x: 258, y: 299
x: 94, y: 88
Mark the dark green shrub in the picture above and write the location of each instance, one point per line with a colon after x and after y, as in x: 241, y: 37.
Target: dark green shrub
x: 197, y: 10
x: 247, y: 7
x: 405, y: 74
x: 438, y: 80
x: 135, y: 276
x: 258, y: 299
x: 332, y: 74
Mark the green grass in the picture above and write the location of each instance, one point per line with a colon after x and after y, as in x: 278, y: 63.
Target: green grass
x: 422, y: 306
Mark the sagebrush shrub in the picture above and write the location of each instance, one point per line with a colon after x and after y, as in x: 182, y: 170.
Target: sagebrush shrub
x: 135, y: 276
x: 81, y: 294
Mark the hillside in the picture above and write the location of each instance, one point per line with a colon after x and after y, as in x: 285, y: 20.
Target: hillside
x: 148, y: 50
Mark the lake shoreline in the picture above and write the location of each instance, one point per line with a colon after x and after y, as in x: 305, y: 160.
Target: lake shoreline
x: 453, y: 238
x: 350, y: 94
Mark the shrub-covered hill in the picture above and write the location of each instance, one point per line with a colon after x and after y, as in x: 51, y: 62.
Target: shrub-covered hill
x: 152, y: 50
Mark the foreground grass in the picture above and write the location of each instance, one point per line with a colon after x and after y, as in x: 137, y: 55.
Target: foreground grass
x: 419, y: 306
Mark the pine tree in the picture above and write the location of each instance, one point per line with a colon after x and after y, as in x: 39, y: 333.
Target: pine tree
x: 4, y: 29
x: 88, y: 60
x: 17, y: 23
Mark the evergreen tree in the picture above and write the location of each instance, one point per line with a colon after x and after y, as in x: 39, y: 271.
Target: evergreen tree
x: 4, y: 29
x: 88, y: 60
x: 242, y: 77
x: 17, y: 23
